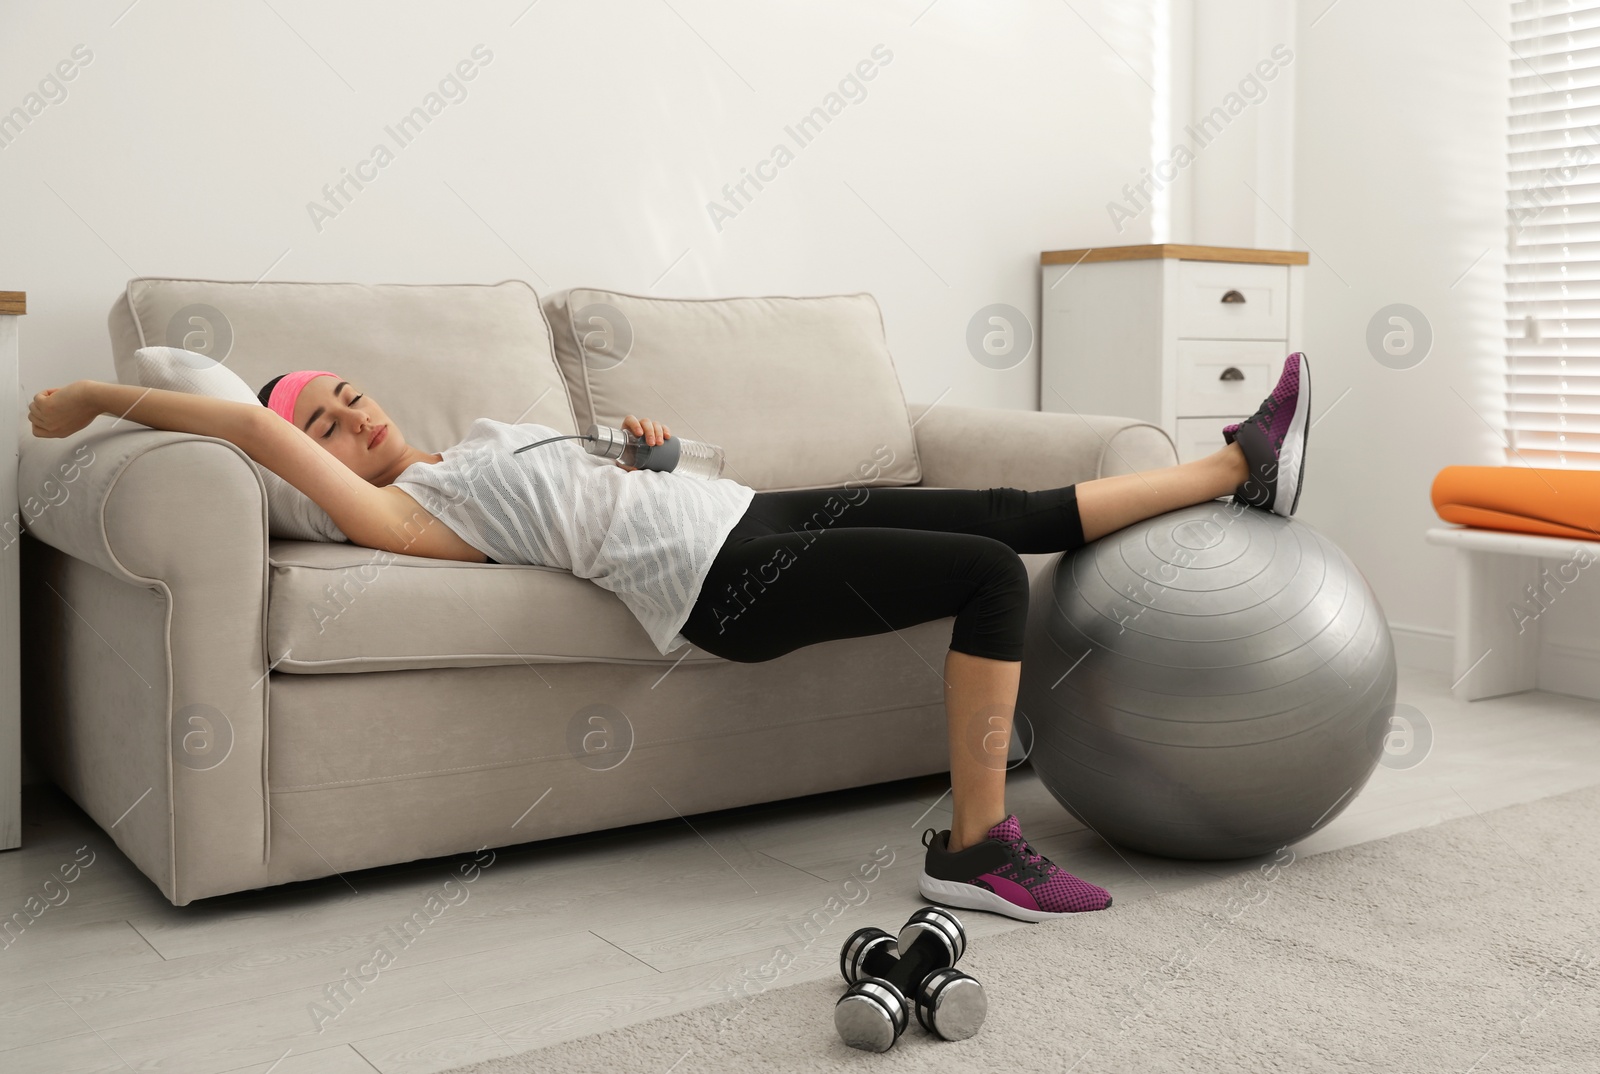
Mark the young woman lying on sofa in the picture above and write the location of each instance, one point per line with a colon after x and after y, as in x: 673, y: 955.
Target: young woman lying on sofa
x: 898, y: 557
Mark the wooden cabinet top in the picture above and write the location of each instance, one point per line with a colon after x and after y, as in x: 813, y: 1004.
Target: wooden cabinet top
x: 1174, y: 250
x: 13, y: 302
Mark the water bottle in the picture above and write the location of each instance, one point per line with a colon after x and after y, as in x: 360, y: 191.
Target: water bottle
x: 673, y: 455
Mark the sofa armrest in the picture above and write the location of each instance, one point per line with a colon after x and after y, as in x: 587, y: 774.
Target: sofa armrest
x: 986, y: 447
x: 151, y: 684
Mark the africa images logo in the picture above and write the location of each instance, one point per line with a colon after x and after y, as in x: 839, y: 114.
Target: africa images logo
x: 1251, y: 90
x: 851, y: 89
x: 452, y: 90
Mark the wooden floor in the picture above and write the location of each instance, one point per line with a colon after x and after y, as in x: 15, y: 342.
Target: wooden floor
x: 570, y: 937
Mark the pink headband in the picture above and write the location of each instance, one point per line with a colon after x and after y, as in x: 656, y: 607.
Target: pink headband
x: 287, y: 390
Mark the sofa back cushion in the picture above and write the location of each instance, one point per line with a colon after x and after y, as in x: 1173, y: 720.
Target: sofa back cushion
x: 801, y: 392
x: 435, y: 357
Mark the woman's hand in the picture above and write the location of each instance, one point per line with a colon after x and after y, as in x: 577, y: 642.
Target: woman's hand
x: 652, y: 431
x: 59, y: 412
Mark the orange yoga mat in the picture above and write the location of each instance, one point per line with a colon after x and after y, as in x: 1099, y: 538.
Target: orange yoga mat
x: 1523, y: 499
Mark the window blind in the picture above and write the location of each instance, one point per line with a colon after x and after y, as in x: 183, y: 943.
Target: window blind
x: 1553, y: 238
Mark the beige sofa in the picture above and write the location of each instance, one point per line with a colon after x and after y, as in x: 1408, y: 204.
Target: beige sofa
x: 239, y: 710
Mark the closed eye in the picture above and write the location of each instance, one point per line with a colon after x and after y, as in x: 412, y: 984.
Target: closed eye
x: 332, y: 425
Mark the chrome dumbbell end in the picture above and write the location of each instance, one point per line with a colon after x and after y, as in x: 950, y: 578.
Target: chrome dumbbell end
x: 941, y: 927
x: 862, y: 946
x: 872, y: 1015
x: 951, y: 1004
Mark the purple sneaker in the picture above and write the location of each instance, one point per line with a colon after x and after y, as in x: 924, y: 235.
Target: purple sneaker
x: 1004, y: 875
x: 1274, y: 441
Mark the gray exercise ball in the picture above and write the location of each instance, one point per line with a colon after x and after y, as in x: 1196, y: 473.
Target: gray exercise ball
x: 1211, y: 683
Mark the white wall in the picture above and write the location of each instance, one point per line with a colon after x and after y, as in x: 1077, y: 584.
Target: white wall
x: 584, y: 153
x: 1241, y: 190
x: 1400, y: 195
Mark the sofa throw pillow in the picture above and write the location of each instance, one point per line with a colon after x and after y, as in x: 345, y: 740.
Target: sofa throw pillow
x: 290, y: 513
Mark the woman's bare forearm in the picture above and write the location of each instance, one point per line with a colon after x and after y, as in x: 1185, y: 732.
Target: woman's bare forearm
x: 177, y: 411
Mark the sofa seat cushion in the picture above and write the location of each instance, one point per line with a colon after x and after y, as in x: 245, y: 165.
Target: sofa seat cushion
x: 345, y: 608
x: 800, y: 392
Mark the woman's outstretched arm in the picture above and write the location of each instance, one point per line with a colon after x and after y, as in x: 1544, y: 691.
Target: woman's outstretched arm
x: 57, y: 412
x: 366, y: 514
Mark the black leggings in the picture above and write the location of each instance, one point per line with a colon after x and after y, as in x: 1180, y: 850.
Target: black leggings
x: 812, y: 565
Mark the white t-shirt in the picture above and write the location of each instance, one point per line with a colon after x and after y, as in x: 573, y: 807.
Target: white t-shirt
x: 648, y: 537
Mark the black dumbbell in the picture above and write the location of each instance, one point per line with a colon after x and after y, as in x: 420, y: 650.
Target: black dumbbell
x: 889, y: 975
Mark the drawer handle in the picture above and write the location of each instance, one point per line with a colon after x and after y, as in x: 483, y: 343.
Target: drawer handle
x: 1231, y: 373
x: 1233, y: 296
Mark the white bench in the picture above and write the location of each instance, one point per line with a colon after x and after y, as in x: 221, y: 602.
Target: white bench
x: 1503, y: 581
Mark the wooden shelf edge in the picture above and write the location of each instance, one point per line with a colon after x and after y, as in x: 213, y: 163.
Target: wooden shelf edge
x: 13, y: 302
x: 1236, y: 254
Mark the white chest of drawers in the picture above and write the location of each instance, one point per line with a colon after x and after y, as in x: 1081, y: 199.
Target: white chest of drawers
x: 1190, y: 338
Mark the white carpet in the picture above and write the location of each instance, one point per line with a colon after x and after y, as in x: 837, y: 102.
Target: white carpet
x: 1471, y: 946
